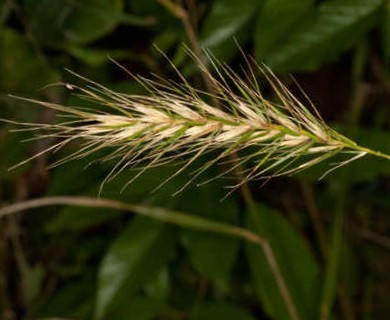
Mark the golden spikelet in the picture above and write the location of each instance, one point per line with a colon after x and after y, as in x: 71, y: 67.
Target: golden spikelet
x: 177, y: 122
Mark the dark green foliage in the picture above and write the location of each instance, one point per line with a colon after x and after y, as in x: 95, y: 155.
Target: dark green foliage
x: 298, y: 265
x: 329, y: 238
x: 335, y: 27
x: 140, y: 251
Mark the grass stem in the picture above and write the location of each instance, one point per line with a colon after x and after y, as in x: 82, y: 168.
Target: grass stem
x: 332, y: 271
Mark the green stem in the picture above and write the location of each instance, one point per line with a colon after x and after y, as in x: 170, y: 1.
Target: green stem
x: 372, y: 152
x: 167, y: 216
x: 332, y: 270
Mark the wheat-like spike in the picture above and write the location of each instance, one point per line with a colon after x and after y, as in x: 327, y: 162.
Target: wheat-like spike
x: 176, y: 122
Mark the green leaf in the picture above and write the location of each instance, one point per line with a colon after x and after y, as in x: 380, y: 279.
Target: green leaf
x: 226, y: 21
x: 221, y: 311
x: 211, y: 255
x: 66, y: 22
x: 276, y: 21
x: 337, y: 26
x: 96, y: 57
x: 298, y: 267
x: 21, y: 68
x: 62, y: 178
x: 159, y: 287
x: 134, y: 258
x: 165, y: 21
x: 77, y: 219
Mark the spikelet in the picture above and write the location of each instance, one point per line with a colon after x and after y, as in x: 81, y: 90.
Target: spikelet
x: 177, y: 122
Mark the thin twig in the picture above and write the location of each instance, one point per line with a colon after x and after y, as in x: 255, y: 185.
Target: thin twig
x: 167, y: 216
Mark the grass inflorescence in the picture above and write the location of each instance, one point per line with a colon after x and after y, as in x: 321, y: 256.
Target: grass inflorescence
x: 177, y: 123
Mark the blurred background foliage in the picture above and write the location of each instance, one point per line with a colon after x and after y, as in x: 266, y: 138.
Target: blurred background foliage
x: 330, y: 238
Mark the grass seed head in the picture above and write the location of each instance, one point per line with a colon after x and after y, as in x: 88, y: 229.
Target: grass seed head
x: 176, y: 122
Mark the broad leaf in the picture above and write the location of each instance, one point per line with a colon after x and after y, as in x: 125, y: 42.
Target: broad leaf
x: 62, y: 178
x: 276, y: 21
x: 337, y: 26
x: 77, y: 219
x: 159, y: 287
x: 164, y: 19
x: 65, y: 22
x: 134, y: 258
x: 298, y: 267
x: 226, y: 21
x: 19, y: 64
x: 211, y: 255
x: 97, y: 57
